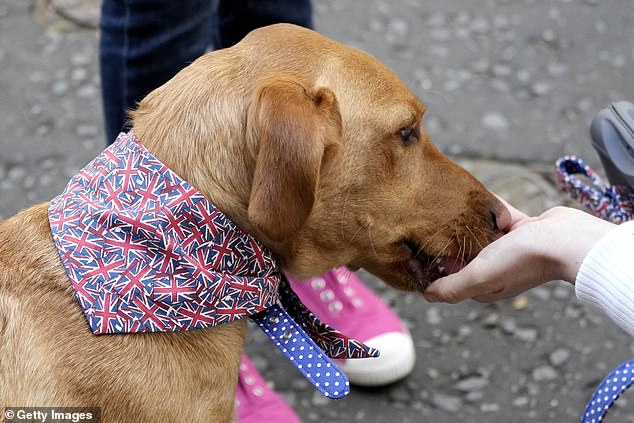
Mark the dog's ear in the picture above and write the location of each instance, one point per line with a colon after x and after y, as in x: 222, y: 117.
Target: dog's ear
x: 294, y: 129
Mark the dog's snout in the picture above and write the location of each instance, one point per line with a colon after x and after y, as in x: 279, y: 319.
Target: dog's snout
x: 494, y: 220
x: 500, y: 218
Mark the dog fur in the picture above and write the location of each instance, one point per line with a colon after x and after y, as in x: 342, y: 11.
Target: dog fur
x: 316, y: 149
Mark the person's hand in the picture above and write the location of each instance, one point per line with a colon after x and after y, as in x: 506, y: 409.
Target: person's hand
x: 535, y: 250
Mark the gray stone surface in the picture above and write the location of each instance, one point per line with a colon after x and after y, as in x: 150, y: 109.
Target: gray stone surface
x: 510, y: 85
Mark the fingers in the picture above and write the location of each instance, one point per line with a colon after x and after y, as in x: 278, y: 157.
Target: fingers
x: 456, y: 287
x: 443, y: 290
x: 504, y: 268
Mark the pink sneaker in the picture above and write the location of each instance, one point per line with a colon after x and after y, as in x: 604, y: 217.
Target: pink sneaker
x: 340, y: 299
x: 256, y: 402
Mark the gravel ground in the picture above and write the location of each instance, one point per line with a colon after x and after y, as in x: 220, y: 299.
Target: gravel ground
x: 510, y: 85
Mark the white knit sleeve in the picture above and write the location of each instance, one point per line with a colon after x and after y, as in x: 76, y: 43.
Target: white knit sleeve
x: 606, y: 276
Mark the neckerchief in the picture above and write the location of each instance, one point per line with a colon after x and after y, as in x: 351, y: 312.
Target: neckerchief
x: 147, y: 252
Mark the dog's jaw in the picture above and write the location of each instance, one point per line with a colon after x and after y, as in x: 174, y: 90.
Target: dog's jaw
x: 425, y: 268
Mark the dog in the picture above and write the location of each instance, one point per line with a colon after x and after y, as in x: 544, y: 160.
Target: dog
x: 314, y: 148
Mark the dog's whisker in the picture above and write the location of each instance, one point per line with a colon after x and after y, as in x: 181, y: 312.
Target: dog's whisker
x: 440, y: 95
x: 475, y: 238
x: 430, y: 239
x: 470, y: 248
x: 441, y: 252
x: 358, y: 231
x: 485, y: 235
x: 343, y: 216
x: 371, y: 240
x: 460, y: 246
x: 447, y: 244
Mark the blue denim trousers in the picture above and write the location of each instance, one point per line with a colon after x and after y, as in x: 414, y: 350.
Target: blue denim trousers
x: 146, y: 42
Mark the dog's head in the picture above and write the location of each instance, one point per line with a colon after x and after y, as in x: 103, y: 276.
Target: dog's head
x: 320, y: 151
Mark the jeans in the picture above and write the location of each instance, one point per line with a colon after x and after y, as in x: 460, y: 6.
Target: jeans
x: 146, y: 42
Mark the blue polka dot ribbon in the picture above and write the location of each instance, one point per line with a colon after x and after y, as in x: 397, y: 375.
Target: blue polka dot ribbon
x: 309, y: 344
x: 303, y: 352
x: 606, y: 394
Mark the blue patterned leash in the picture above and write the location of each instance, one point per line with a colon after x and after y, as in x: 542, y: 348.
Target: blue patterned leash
x: 310, y: 344
x: 614, y: 204
x: 608, y: 391
x: 609, y: 202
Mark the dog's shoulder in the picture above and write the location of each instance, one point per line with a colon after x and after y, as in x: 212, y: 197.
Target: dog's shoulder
x: 27, y: 251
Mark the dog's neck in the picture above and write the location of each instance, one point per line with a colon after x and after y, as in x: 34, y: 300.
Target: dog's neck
x: 216, y: 157
x: 220, y: 171
x: 226, y: 181
x: 219, y: 183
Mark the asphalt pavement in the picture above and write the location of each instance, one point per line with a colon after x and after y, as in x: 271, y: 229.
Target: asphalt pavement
x: 510, y: 86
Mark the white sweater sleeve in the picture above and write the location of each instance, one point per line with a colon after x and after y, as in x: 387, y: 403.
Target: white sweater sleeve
x: 606, y: 276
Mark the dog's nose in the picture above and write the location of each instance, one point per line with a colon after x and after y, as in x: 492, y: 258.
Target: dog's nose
x: 494, y: 221
x: 500, y: 217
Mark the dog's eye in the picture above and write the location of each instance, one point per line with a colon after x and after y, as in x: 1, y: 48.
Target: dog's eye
x: 409, y: 135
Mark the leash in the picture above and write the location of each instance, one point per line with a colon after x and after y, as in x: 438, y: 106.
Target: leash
x: 608, y: 391
x: 614, y: 204
x: 609, y: 202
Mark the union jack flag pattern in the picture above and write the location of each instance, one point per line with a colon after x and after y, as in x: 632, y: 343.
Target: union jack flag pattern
x: 147, y: 252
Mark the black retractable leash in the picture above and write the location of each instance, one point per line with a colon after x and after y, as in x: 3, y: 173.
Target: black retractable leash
x: 612, y: 135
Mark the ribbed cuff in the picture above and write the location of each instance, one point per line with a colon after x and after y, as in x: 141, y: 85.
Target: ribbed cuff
x: 606, y: 276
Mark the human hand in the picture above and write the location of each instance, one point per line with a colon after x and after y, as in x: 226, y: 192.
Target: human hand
x: 535, y: 250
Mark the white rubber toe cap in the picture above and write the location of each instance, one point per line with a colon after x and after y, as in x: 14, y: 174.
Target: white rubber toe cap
x: 395, y: 362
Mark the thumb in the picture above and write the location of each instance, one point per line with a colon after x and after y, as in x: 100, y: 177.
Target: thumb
x: 451, y: 289
x: 475, y: 279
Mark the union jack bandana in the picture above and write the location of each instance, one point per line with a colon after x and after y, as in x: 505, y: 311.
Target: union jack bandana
x: 147, y: 252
